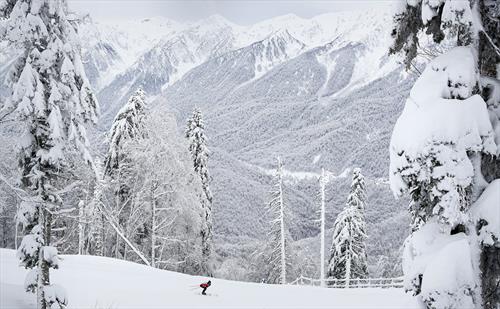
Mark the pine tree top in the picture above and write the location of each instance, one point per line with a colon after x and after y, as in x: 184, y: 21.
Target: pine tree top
x: 357, y: 195
x: 49, y: 87
x: 127, y: 125
x: 195, y: 125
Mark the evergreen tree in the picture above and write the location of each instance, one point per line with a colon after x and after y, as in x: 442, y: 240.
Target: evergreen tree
x: 357, y: 196
x: 348, y: 253
x: 278, y: 260
x: 52, y: 97
x: 127, y: 125
x: 448, y: 175
x: 195, y: 133
x: 127, y: 128
x: 451, y: 21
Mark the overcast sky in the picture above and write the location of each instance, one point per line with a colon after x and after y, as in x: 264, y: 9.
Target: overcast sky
x: 238, y: 11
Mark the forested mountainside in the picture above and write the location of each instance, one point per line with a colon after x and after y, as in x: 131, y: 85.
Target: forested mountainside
x: 320, y: 93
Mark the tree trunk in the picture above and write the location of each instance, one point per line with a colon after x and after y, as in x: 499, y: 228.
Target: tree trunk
x: 81, y: 231
x: 45, y: 221
x: 487, y: 56
x: 117, y: 245
x: 490, y: 279
x: 16, y: 235
x: 488, y: 59
x: 348, y: 267
x: 282, y: 226
x: 153, y: 228
x: 102, y: 248
x: 322, y: 249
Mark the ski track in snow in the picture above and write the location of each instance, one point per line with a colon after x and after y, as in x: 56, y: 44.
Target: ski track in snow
x: 97, y: 282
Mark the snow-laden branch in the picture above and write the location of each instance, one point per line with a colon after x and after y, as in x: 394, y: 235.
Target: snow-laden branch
x: 116, y: 227
x: 496, y: 48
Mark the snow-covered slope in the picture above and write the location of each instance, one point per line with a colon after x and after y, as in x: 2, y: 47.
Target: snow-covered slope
x: 181, y: 48
x: 109, y: 48
x: 320, y: 92
x: 167, y: 60
x: 96, y: 282
x: 352, y: 26
x: 331, y: 106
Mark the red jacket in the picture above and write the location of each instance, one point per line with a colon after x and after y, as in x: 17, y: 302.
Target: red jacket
x: 204, y: 285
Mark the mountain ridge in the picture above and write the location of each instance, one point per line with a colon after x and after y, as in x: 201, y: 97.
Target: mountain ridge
x: 319, y: 92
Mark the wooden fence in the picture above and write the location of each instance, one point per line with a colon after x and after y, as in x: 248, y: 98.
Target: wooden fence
x: 352, y: 283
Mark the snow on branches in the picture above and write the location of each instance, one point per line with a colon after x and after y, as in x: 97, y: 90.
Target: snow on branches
x: 51, y: 95
x: 127, y: 125
x: 438, y: 267
x: 348, y: 253
x: 278, y: 259
x: 432, y: 161
x: 195, y: 134
x: 435, y: 152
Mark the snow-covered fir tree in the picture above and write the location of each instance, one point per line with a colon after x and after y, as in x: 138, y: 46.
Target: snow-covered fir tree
x: 357, y: 195
x: 127, y: 128
x: 443, y: 152
x: 348, y: 252
x: 127, y: 125
x: 52, y: 97
x: 278, y: 260
x: 195, y: 133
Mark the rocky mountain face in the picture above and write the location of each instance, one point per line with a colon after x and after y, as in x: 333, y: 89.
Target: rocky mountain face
x: 320, y: 93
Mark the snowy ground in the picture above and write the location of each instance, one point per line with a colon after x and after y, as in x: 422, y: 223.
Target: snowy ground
x: 96, y: 282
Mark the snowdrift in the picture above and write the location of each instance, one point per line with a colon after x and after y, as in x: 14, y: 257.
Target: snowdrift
x: 97, y: 282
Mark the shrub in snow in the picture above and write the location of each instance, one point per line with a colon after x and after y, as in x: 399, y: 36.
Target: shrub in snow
x: 50, y: 94
x: 348, y: 252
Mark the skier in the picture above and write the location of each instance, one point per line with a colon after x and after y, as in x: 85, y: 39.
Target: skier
x: 205, y: 286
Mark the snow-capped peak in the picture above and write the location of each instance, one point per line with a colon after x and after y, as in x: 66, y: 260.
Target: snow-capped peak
x: 213, y: 22
x: 281, y: 34
x: 276, y: 48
